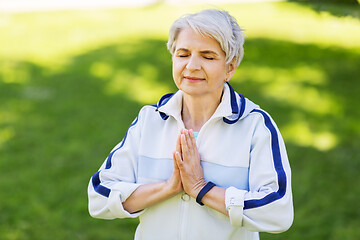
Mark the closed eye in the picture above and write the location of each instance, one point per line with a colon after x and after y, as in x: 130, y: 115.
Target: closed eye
x: 209, y: 58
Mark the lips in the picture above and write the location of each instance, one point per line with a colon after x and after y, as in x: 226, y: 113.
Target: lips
x: 193, y: 79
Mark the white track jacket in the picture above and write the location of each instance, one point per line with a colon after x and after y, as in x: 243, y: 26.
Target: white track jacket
x: 241, y: 150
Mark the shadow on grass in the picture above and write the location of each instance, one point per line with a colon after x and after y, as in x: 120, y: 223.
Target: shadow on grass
x: 58, y: 126
x: 338, y: 8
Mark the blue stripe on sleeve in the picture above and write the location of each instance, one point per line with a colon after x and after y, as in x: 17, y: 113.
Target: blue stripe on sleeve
x: 98, y: 187
x: 278, y: 168
x: 96, y: 177
x: 108, y: 161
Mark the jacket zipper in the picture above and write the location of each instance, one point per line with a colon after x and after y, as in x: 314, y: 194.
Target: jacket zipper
x: 184, y: 210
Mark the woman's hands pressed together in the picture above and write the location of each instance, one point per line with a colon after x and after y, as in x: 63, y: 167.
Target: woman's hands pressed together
x: 187, y: 163
x: 187, y: 175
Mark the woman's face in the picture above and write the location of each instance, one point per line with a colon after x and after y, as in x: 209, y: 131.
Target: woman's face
x: 199, y: 65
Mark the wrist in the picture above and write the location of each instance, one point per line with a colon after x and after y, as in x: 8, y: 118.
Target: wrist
x: 200, y: 185
x: 204, y: 191
x: 170, y: 190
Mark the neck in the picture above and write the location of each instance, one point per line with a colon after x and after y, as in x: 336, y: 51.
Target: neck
x: 197, y: 110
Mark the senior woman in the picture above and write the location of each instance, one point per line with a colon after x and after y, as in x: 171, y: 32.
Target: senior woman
x: 204, y: 162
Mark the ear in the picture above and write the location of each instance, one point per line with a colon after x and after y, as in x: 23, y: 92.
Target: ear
x: 230, y: 69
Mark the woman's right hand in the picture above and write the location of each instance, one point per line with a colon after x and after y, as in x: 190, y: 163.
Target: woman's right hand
x: 174, y: 182
x: 148, y: 195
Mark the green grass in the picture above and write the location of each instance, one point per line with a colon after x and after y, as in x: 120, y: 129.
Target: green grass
x: 71, y: 82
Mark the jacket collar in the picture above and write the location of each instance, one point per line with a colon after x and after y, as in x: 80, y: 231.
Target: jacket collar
x: 171, y: 105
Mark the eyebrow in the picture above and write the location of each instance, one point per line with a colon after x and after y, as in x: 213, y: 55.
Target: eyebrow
x: 182, y: 49
x: 209, y: 52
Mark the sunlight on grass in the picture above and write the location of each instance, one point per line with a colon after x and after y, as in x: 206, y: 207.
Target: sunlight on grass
x: 51, y: 39
x: 101, y: 70
x: 6, y: 134
x: 297, y: 23
x: 42, y: 36
x: 12, y: 72
x: 307, y: 98
x: 47, y: 38
x: 300, y: 133
x: 14, y: 235
x: 140, y: 88
x: 140, y: 82
x: 301, y: 74
x: 299, y: 86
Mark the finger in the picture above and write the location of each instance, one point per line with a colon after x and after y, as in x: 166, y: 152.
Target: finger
x: 194, y: 144
x: 191, y: 143
x: 178, y: 160
x: 178, y: 145
x: 182, y: 131
x: 184, y: 147
x: 193, y: 149
x: 183, y: 140
x: 176, y: 167
x: 192, y: 138
x: 188, y: 140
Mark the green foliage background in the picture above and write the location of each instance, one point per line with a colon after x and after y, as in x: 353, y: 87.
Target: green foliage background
x: 71, y: 82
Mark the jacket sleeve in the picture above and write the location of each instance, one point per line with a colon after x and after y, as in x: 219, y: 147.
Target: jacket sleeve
x: 267, y: 206
x: 116, y: 179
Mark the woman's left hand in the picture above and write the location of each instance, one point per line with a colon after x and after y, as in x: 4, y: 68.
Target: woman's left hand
x: 188, y: 160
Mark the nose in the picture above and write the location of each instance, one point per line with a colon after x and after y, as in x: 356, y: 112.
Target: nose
x: 193, y: 64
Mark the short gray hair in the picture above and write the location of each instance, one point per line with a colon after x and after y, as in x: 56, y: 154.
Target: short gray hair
x: 217, y: 24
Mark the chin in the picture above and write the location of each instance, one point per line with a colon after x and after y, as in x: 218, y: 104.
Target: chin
x: 194, y: 92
